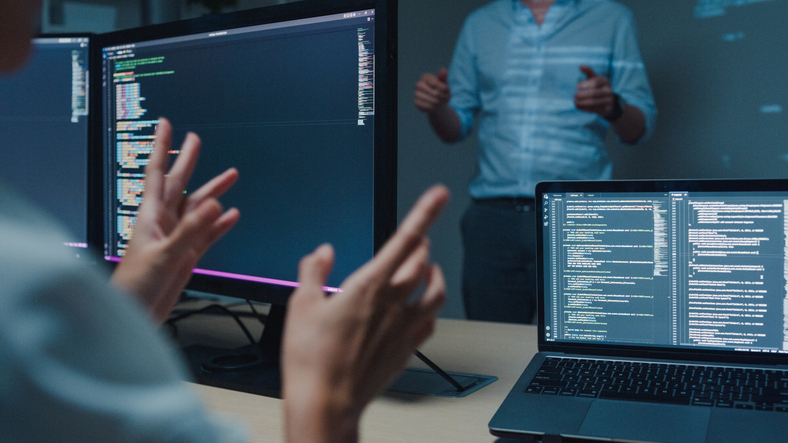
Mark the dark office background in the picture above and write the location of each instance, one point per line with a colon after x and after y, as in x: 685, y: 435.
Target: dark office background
x: 718, y: 69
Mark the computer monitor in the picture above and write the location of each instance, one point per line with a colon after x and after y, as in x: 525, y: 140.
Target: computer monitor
x: 44, y: 131
x: 300, y: 97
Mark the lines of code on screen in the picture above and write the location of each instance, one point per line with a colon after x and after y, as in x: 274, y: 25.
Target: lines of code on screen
x: 44, y: 127
x: 668, y: 269
x: 291, y: 108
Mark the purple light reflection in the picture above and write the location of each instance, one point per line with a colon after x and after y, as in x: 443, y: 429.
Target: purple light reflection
x: 270, y: 281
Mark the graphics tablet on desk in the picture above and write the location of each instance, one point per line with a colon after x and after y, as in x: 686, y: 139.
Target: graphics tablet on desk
x: 663, y: 314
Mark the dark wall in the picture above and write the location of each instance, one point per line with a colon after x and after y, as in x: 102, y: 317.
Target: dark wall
x: 719, y: 78
x: 718, y: 73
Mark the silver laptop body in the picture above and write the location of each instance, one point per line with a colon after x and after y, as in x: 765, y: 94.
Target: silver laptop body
x: 683, y: 284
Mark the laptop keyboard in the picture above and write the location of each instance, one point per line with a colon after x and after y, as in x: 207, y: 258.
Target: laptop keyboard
x: 709, y: 386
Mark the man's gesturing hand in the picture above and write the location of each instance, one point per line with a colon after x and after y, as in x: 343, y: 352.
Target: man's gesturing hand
x: 341, y: 350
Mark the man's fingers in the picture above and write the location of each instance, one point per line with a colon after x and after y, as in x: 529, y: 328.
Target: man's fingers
x: 426, y: 101
x: 223, y: 224
x: 599, y: 101
x: 162, y: 144
x: 213, y: 189
x: 411, y: 232
x: 425, y: 97
x: 602, y: 95
x: 435, y: 293
x: 413, y: 271
x: 432, y: 82
x: 182, y: 169
x: 157, y: 161
x: 588, y: 71
x: 314, y: 268
x: 431, y: 91
x: 443, y: 75
x: 596, y: 85
x: 422, y: 314
x: 584, y: 100
x: 437, y: 85
x: 192, y: 234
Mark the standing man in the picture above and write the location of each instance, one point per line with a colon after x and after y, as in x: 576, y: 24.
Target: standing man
x: 546, y: 78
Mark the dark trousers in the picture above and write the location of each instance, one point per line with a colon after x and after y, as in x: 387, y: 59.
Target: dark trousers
x: 499, y: 263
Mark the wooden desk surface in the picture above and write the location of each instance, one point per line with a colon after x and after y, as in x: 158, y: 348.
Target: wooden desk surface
x: 498, y: 349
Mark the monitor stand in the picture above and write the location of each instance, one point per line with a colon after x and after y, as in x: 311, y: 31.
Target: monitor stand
x: 251, y: 368
x: 255, y: 368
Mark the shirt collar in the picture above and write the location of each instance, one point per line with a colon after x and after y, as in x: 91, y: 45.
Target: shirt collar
x: 518, y: 3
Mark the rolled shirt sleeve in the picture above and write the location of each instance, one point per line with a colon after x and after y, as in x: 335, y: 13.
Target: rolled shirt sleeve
x: 628, y: 74
x: 463, y: 81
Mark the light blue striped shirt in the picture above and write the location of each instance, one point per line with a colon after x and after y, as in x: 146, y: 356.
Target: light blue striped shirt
x: 520, y: 79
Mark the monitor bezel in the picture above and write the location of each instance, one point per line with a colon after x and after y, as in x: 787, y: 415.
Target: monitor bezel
x: 385, y: 130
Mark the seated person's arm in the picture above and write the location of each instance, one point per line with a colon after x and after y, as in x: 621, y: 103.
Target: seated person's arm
x: 172, y: 232
x: 340, y: 351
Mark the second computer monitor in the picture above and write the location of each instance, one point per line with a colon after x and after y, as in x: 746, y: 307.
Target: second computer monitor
x: 44, y: 128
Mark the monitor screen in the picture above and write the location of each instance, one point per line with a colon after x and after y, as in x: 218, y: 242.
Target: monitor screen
x: 295, y: 98
x: 44, y: 108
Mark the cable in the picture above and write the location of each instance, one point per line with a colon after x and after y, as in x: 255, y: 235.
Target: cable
x: 441, y: 372
x: 172, y: 320
x: 260, y: 317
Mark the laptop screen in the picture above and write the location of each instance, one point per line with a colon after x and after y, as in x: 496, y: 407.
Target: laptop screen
x: 698, y: 265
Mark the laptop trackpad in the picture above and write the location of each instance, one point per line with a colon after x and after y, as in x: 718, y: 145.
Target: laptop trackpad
x: 645, y: 422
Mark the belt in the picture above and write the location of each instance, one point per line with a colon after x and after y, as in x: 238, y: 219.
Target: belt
x: 523, y: 204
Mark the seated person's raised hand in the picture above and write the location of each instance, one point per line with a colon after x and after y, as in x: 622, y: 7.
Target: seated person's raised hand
x: 172, y: 231
x: 340, y: 351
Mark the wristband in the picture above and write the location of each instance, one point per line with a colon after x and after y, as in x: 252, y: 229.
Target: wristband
x: 618, y: 109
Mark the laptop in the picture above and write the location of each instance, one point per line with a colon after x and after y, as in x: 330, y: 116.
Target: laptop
x: 663, y: 314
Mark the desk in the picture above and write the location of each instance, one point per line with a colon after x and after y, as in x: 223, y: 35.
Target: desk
x: 498, y: 349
